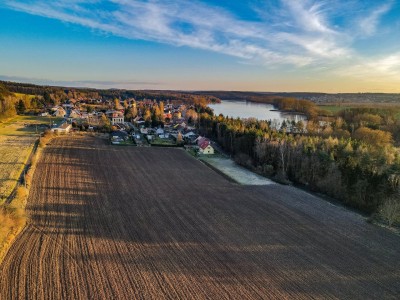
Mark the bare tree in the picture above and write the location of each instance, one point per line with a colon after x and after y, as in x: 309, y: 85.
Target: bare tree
x: 282, y: 156
x: 390, y: 210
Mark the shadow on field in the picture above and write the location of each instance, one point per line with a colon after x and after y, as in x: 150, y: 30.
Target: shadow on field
x: 161, y: 211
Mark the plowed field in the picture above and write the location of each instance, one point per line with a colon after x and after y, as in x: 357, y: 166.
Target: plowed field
x: 153, y: 223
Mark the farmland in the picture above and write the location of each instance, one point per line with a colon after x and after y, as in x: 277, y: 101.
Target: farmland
x: 17, y: 137
x: 14, y: 152
x: 150, y: 223
x: 16, y: 142
x: 333, y: 108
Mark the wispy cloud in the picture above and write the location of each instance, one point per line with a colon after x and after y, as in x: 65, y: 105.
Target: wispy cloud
x: 299, y: 33
x: 197, y: 25
x: 369, y: 24
x: 309, y: 15
x: 377, y: 69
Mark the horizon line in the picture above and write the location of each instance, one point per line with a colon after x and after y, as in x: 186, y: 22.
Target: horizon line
x: 178, y: 90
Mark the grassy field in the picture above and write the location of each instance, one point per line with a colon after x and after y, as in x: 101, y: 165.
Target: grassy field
x: 17, y: 137
x: 155, y: 223
x: 13, y: 197
x: 14, y: 152
x: 12, y: 220
x: 234, y: 171
x: 16, y: 143
x: 337, y: 107
x: 16, y: 126
x: 156, y: 141
x: 23, y: 96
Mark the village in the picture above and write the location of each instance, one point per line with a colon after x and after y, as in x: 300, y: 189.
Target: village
x: 133, y: 123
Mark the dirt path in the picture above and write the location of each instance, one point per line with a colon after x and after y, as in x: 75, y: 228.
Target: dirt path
x: 152, y: 223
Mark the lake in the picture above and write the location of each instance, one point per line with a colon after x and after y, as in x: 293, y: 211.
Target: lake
x: 261, y: 111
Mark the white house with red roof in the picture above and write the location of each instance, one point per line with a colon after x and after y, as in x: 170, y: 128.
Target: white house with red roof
x: 205, y: 146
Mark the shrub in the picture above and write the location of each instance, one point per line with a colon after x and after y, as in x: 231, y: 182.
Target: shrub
x: 390, y: 210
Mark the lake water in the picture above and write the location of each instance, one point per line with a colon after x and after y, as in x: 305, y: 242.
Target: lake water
x: 261, y: 111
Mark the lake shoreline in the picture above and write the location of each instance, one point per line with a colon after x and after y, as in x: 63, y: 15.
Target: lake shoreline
x: 245, y: 109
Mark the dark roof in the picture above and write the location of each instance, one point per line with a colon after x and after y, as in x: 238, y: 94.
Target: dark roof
x: 119, y: 133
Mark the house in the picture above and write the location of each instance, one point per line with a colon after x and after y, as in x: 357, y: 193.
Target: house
x: 117, y: 137
x: 120, y: 134
x: 200, y: 140
x: 60, y: 112
x: 164, y: 136
x: 189, y: 134
x: 138, y: 120
x: 206, y: 148
x: 190, y: 137
x: 204, y: 145
x: 144, y: 130
x: 68, y: 105
x: 63, y: 128
x: 180, y: 127
x: 74, y: 114
x: 160, y: 131
x: 167, y: 117
x: 115, y: 116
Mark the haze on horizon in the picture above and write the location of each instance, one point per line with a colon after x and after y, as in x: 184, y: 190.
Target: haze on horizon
x: 250, y: 45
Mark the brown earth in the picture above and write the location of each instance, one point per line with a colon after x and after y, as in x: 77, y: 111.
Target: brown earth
x: 151, y: 223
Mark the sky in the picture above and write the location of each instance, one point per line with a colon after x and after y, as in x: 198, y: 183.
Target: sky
x: 249, y: 45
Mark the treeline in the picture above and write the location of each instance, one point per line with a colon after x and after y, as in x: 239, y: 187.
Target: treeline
x: 7, y: 103
x: 360, y: 173
x: 60, y: 94
x: 289, y: 104
x: 30, y: 89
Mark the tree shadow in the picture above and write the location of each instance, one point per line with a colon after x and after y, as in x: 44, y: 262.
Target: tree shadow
x: 159, y: 211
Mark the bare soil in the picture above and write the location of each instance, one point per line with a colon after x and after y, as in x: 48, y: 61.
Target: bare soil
x: 152, y: 223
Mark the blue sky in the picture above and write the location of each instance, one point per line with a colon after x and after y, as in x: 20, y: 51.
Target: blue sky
x: 259, y: 45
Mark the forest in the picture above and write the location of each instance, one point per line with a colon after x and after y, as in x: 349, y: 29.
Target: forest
x: 352, y: 157
x: 7, y: 103
x: 29, y: 98
x: 60, y: 94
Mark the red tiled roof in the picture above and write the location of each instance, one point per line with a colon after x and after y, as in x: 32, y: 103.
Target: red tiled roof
x: 201, y: 140
x: 205, y: 144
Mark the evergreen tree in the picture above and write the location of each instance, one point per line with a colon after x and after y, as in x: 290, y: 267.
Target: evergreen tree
x: 20, y: 107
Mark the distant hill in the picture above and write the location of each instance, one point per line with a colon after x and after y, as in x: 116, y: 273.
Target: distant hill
x: 62, y: 93
x: 161, y: 95
x: 319, y: 98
